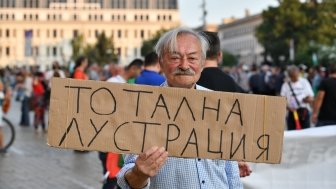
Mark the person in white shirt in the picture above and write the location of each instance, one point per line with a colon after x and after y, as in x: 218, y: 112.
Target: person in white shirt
x: 133, y: 70
x: 299, y: 94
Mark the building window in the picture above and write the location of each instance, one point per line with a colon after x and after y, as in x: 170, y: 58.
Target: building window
x: 147, y: 17
x: 48, y: 33
x: 101, y: 17
x: 48, y: 17
x: 36, y: 51
x: 90, y: 17
x: 75, y: 33
x: 36, y: 17
x: 55, y: 33
x: 7, y: 51
x: 7, y: 33
x: 112, y: 17
x: 124, y: 17
x: 48, y: 51
x: 142, y: 34
x: 169, y: 17
x: 158, y: 17
x: 135, y: 17
x: 75, y: 17
x: 164, y: 17
x: 96, y: 33
x: 13, y: 16
x: 54, y: 51
x: 119, y: 33
x: 62, y: 34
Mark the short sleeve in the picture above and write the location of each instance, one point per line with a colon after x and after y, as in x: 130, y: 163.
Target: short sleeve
x: 322, y: 86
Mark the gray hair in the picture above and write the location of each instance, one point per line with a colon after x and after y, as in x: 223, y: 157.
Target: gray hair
x: 291, y: 69
x: 167, y: 42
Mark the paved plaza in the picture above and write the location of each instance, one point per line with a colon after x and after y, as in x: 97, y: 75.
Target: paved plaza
x: 31, y: 164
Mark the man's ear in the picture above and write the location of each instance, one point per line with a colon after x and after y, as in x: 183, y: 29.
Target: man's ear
x: 219, y: 58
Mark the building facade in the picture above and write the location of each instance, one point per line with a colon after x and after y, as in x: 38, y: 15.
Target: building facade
x: 40, y: 31
x: 238, y: 37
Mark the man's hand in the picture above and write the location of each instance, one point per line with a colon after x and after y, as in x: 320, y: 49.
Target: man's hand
x: 147, y: 165
x: 314, y: 118
x: 244, y: 169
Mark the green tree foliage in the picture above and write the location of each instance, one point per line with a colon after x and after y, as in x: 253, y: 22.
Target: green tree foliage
x: 102, y: 52
x: 77, y: 44
x: 309, y: 24
x: 228, y: 59
x: 148, y: 45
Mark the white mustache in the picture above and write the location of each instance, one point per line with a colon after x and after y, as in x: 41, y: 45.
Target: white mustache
x: 179, y: 71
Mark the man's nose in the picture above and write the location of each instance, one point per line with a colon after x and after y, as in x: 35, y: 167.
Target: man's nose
x: 184, y: 64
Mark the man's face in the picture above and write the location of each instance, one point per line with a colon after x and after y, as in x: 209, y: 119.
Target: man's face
x: 183, y: 68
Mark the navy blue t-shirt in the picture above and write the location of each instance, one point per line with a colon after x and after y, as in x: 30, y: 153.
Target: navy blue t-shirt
x: 148, y: 77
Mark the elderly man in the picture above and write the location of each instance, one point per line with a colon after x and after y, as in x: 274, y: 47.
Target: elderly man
x: 182, y: 53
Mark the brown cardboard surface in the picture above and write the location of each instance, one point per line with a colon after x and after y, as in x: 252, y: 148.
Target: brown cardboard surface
x: 123, y: 118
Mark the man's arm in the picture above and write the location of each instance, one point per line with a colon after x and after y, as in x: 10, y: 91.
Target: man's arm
x: 317, y: 105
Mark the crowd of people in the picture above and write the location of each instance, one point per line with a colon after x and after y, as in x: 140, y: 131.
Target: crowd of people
x: 185, y: 59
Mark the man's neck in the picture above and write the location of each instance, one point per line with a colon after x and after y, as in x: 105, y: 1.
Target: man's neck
x: 152, y: 68
x: 211, y: 64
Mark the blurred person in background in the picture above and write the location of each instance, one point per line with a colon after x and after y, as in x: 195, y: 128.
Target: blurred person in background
x: 80, y: 68
x: 212, y: 77
x: 27, y: 87
x: 324, y: 110
x: 55, y: 71
x: 39, y: 89
x: 320, y: 73
x: 151, y: 73
x: 299, y: 96
x: 94, y: 72
x: 133, y: 70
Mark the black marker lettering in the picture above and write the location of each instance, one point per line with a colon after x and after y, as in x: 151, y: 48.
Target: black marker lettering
x: 78, y: 92
x: 242, y: 140
x: 194, y: 143
x: 145, y: 130
x: 178, y: 110
x: 68, y: 130
x: 114, y: 138
x: 220, y: 144
x: 264, y: 148
x: 162, y: 106
x: 168, y: 136
x: 209, y: 108
x: 138, y: 99
x: 114, y: 102
x: 96, y: 130
x: 237, y: 113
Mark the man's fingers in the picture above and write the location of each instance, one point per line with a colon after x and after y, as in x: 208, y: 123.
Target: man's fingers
x: 145, y: 155
x: 154, y: 156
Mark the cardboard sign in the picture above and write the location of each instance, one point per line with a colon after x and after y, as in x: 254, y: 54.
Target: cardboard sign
x: 123, y: 118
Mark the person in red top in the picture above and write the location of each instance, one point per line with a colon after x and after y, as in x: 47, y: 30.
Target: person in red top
x: 79, y: 70
x: 39, y: 101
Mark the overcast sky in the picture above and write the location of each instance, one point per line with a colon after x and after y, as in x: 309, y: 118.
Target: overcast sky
x: 191, y: 13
